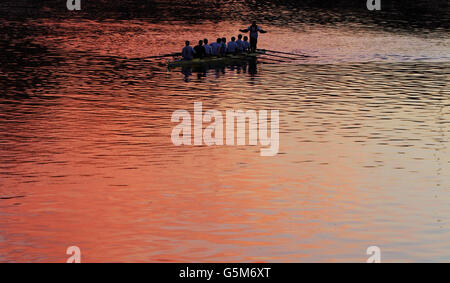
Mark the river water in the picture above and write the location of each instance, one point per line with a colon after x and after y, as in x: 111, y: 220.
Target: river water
x: 87, y: 159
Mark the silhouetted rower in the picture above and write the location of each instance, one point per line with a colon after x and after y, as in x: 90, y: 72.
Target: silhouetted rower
x: 240, y: 44
x: 246, y: 44
x: 215, y: 47
x: 208, y: 49
x: 223, y: 46
x: 232, y: 46
x: 187, y: 52
x: 200, y: 51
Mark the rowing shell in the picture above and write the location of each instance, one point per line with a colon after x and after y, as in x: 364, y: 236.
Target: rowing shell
x: 226, y: 60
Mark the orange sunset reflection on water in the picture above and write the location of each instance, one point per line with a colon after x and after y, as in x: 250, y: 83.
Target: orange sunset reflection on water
x: 87, y: 157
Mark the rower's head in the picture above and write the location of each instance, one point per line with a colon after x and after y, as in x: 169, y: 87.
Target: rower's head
x: 205, y: 41
x: 187, y: 43
x: 233, y: 38
x: 224, y: 39
x: 219, y: 40
x: 254, y: 23
x: 245, y: 38
x: 240, y: 36
x: 200, y: 42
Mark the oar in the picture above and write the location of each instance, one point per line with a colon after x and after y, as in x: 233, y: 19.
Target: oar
x: 278, y: 56
x: 157, y: 56
x: 162, y: 56
x: 274, y: 60
x: 286, y: 53
x: 267, y: 62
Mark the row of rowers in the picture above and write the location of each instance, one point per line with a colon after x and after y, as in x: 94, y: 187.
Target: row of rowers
x: 221, y: 48
x: 218, y: 48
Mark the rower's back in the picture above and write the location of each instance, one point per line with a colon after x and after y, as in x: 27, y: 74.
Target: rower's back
x: 199, y: 50
x: 223, y: 46
x: 215, y: 47
x: 232, y: 46
x: 187, y: 52
x: 208, y: 49
x: 240, y: 44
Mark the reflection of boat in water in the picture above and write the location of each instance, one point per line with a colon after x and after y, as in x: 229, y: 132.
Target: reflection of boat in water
x: 215, y: 61
x: 217, y: 68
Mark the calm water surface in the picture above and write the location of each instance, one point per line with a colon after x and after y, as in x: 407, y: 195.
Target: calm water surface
x: 87, y: 159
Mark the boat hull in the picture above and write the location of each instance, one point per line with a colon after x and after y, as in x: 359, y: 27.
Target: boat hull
x: 226, y: 60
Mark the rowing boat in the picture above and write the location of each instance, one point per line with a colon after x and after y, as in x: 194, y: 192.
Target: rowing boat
x: 225, y: 60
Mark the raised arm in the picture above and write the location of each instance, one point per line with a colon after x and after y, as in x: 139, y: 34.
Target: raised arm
x: 244, y: 30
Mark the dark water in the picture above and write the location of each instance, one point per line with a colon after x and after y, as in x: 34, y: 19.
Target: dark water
x: 87, y: 159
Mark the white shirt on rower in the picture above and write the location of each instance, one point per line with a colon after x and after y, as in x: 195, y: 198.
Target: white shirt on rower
x: 223, y: 47
x: 240, y: 45
x: 215, y: 47
x: 188, y: 53
x: 246, y: 45
x: 232, y: 46
x: 208, y: 49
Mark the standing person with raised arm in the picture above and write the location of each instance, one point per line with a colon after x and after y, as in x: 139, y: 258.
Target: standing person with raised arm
x: 254, y: 30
